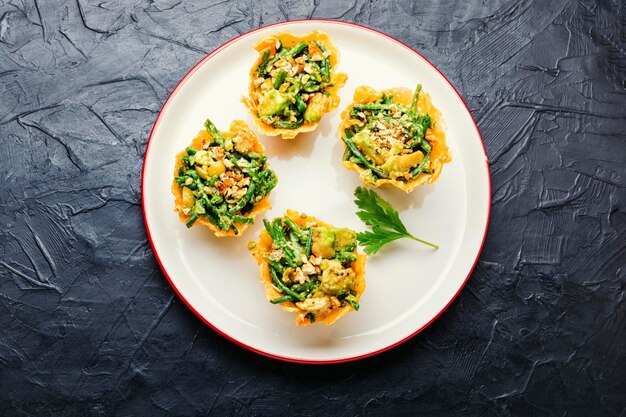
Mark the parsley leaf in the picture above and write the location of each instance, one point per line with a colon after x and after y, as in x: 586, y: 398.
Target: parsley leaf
x: 384, y: 220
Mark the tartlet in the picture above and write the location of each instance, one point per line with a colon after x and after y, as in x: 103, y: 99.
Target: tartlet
x: 293, y: 83
x: 222, y: 180
x: 319, y: 288
x: 394, y: 137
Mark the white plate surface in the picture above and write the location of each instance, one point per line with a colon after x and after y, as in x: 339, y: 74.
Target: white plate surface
x: 408, y: 284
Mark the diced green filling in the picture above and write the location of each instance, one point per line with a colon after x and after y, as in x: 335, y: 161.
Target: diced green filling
x: 323, y: 242
x: 296, y: 81
x: 204, y: 193
x: 274, y: 102
x: 336, y: 279
x: 325, y: 279
x: 389, y: 140
x: 402, y: 163
x: 345, y: 240
x: 315, y: 109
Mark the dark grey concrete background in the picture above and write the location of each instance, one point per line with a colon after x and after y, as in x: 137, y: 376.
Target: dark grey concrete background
x: 89, y: 326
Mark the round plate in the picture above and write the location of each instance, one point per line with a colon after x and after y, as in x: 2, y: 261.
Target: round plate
x: 408, y: 285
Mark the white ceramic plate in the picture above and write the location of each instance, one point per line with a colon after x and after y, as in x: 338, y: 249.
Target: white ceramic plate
x: 408, y: 284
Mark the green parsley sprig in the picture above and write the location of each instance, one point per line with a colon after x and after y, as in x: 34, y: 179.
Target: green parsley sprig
x: 383, y: 219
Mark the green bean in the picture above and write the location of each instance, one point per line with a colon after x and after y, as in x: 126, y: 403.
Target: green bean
x: 420, y: 167
x: 223, y: 222
x: 312, y: 86
x: 244, y: 200
x: 283, y: 299
x: 371, y: 107
x: 306, y: 287
x: 210, y: 127
x: 186, y: 161
x: 191, y: 151
x: 192, y: 220
x: 297, y: 249
x: 299, y: 47
x: 309, y: 242
x: 346, y: 154
x: 281, y: 244
x: 280, y: 78
x: 353, y: 303
x: 282, y: 287
x: 426, y: 146
x: 263, y: 64
x: 416, y: 95
x: 288, y: 125
x: 357, y: 153
x: 278, y: 267
x: 296, y: 230
x: 276, y: 57
x: 243, y: 219
x: 300, y: 104
x: 325, y: 62
x: 281, y: 241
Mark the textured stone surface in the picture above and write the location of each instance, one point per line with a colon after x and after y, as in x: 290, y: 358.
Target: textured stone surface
x: 89, y: 326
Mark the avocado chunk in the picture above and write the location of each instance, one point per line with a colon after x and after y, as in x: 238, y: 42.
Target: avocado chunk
x: 336, y: 279
x: 273, y: 102
x: 315, y: 109
x: 364, y: 141
x: 345, y: 240
x: 322, y: 242
x: 402, y: 163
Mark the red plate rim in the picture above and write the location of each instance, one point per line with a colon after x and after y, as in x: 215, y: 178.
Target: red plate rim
x: 211, y: 325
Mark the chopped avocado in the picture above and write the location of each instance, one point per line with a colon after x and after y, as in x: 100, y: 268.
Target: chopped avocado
x: 287, y: 276
x: 273, y: 102
x: 396, y: 148
x: 315, y: 109
x: 323, y: 240
x: 345, y: 257
x: 336, y: 279
x: 198, y: 207
x: 364, y: 141
x: 402, y: 163
x: 345, y: 240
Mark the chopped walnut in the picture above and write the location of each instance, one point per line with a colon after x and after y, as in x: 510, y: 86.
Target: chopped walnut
x: 308, y: 269
x: 257, y: 82
x: 221, y: 187
x: 217, y: 153
x: 298, y: 276
x: 244, y: 182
